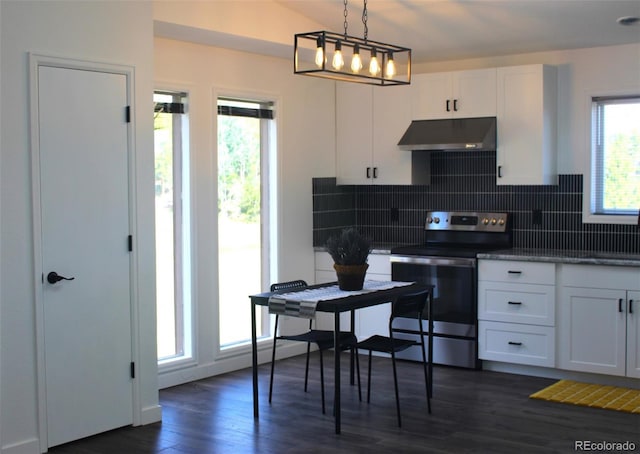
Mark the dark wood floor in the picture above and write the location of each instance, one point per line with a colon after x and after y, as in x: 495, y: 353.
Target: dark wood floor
x: 473, y: 412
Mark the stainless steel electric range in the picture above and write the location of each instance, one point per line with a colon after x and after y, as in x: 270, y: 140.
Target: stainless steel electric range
x: 447, y: 260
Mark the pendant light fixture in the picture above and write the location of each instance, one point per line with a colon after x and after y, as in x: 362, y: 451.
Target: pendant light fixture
x: 352, y: 59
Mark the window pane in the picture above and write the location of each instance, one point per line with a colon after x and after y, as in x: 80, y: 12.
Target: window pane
x: 173, y: 299
x: 239, y: 223
x: 617, y: 129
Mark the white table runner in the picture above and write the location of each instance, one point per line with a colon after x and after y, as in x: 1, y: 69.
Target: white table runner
x: 303, y: 303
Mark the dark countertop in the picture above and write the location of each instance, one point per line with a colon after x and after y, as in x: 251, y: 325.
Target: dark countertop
x: 564, y: 256
x: 378, y: 248
x: 541, y: 255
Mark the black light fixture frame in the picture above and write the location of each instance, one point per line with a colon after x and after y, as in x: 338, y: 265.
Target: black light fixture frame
x: 328, y: 40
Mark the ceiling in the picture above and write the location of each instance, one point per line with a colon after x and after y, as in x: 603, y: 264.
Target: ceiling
x: 439, y: 30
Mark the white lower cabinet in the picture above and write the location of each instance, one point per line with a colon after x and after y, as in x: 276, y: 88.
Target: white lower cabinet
x: 599, y: 312
x: 633, y: 335
x: 516, y: 312
x: 370, y: 320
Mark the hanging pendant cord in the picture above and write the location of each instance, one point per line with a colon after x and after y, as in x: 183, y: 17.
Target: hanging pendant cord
x: 345, y: 19
x: 364, y: 20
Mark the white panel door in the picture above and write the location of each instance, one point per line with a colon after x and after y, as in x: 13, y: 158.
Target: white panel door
x: 592, y: 335
x: 85, y: 226
x: 633, y: 334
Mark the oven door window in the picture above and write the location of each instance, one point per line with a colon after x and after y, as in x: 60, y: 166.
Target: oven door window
x: 454, y: 297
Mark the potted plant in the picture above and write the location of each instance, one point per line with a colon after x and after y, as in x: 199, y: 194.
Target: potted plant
x: 349, y: 251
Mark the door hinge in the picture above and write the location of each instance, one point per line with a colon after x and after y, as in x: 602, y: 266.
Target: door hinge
x: 127, y: 114
x: 133, y: 369
x: 130, y: 243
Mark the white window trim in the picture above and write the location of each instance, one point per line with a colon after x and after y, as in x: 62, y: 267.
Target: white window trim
x: 587, y: 216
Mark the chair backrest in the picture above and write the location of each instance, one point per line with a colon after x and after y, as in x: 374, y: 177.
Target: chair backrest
x: 410, y: 305
x: 289, y: 285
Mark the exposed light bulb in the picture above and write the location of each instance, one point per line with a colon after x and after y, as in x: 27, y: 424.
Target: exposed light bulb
x: 356, y: 61
x: 390, y: 70
x: 319, y: 53
x: 374, y: 66
x: 338, y: 60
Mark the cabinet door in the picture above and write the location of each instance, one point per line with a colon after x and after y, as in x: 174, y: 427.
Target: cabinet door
x: 592, y: 330
x: 354, y: 128
x: 474, y: 93
x: 391, y: 117
x: 633, y: 334
x: 526, y: 123
x: 430, y: 95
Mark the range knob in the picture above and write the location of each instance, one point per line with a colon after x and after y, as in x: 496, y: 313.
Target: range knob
x: 429, y: 220
x: 436, y: 220
x: 493, y: 221
x: 485, y: 221
x: 501, y: 221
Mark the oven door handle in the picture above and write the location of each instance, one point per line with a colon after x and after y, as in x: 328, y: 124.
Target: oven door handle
x: 429, y: 261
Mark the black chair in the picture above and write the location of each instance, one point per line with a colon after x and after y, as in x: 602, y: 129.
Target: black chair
x: 406, y: 306
x: 322, y: 338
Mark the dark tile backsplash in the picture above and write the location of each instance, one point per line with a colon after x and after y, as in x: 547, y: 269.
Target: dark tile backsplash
x: 467, y: 181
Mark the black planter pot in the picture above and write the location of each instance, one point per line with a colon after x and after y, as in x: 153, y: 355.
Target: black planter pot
x: 351, y: 277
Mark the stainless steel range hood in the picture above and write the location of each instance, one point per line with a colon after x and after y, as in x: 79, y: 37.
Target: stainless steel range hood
x: 460, y: 134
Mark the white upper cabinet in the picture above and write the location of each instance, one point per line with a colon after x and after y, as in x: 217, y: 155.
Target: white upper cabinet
x: 354, y: 133
x: 369, y: 123
x: 526, y: 125
x: 460, y: 94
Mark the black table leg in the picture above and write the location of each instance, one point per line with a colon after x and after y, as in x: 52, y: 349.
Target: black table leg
x: 336, y: 350
x: 430, y: 365
x: 352, y: 356
x: 254, y: 359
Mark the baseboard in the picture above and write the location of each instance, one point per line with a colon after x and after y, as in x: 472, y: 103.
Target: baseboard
x: 560, y: 374
x: 152, y: 414
x: 225, y: 365
x: 30, y: 446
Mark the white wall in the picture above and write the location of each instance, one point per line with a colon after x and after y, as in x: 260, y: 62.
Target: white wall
x: 306, y: 131
x: 581, y: 73
x: 103, y: 31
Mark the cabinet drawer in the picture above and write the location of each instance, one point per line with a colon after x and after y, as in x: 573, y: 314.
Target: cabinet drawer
x: 518, y: 303
x: 379, y: 264
x: 517, y: 271
x: 516, y: 343
x: 600, y: 276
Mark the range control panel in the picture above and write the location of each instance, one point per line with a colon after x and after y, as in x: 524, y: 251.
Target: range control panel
x: 466, y: 221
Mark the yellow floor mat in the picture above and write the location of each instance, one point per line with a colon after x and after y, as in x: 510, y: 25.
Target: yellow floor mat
x: 589, y: 395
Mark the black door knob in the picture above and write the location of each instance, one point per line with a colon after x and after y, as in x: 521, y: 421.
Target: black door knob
x: 54, y: 277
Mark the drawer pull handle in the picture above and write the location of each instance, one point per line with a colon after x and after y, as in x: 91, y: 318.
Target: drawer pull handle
x: 620, y: 305
x: 631, y: 306
x: 515, y: 343
x: 515, y: 303
x: 514, y: 272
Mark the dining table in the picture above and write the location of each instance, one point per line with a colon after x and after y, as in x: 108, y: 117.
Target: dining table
x: 373, y: 293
